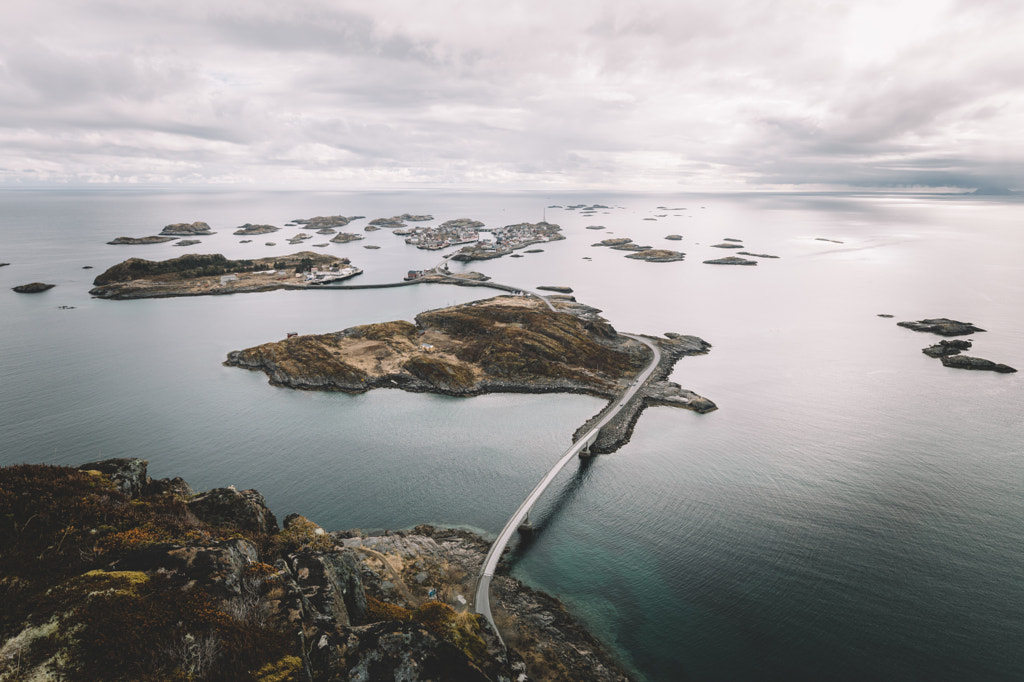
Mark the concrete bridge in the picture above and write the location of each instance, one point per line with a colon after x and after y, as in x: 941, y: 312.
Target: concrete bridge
x: 580, y: 448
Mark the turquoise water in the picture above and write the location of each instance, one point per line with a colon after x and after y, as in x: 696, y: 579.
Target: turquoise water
x: 852, y: 511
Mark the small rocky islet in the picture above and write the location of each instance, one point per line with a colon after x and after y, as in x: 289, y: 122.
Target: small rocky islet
x: 33, y: 288
x: 950, y: 352
x: 132, y: 578
x: 187, y: 229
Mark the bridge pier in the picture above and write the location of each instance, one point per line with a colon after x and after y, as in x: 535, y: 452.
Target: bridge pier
x: 526, y: 526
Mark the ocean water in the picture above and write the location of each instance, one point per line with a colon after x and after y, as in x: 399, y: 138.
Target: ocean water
x: 853, y: 510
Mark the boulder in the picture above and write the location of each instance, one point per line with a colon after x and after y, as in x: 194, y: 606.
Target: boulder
x: 246, y: 510
x: 127, y: 473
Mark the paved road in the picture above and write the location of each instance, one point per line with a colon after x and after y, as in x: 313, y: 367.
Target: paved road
x: 482, y: 601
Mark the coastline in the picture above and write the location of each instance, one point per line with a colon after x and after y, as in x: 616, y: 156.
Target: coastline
x: 384, y: 601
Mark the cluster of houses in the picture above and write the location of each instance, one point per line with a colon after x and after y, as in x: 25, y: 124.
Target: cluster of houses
x: 507, y: 239
x: 443, y: 236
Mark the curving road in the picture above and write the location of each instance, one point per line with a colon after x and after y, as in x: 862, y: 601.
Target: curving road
x: 482, y: 600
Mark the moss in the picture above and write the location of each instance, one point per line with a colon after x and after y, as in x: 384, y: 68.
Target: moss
x: 281, y: 670
x: 377, y: 611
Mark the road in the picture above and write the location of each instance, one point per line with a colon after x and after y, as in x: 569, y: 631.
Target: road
x: 482, y: 600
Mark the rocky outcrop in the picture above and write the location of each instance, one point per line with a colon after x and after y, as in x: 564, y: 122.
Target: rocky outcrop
x: 942, y: 326
x: 967, y: 362
x: 344, y: 237
x: 249, y: 229
x: 658, y: 256
x: 557, y: 289
x: 132, y: 241
x: 187, y: 242
x: 672, y: 394
x: 33, y: 288
x: 943, y: 348
x: 731, y: 260
x: 674, y: 237
x: 187, y: 229
x: 244, y: 509
x: 129, y: 474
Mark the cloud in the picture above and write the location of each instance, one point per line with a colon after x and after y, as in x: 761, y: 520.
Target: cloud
x: 523, y: 93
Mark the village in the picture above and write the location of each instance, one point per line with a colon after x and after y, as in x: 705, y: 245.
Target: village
x: 448, y: 233
x: 509, y: 238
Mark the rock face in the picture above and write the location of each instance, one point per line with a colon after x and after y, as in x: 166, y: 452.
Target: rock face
x: 187, y: 229
x: 228, y: 507
x: 127, y: 473
x: 33, y: 288
x: 967, y: 362
x: 942, y: 326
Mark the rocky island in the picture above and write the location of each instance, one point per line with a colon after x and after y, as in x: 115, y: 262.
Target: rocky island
x: 212, y: 274
x: 322, y: 221
x: 943, y: 326
x: 949, y: 352
x: 33, y: 288
x: 249, y: 229
x: 657, y: 255
x: 134, y: 241
x: 506, y: 344
x: 730, y: 260
x: 187, y: 229
x: 124, y: 577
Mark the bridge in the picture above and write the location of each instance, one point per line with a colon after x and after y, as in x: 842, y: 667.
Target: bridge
x: 580, y: 448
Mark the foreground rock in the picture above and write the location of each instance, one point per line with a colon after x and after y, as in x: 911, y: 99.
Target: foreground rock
x: 942, y: 326
x: 120, y: 580
x: 33, y: 288
x: 967, y: 362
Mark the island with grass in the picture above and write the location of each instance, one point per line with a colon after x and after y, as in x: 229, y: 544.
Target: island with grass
x: 213, y: 274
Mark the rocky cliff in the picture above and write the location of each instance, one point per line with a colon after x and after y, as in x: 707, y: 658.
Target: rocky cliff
x: 107, y: 574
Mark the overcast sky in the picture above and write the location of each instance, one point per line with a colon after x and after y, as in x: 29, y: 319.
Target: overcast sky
x: 546, y: 94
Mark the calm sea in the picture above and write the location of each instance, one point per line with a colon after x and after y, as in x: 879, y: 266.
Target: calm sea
x: 853, y: 511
